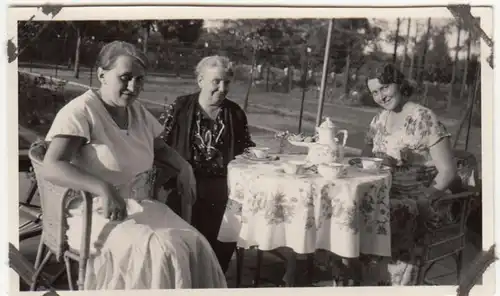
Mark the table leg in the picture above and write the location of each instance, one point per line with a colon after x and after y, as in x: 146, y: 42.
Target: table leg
x: 349, y: 272
x: 256, y: 279
x: 240, y: 256
x: 291, y: 270
x: 310, y: 268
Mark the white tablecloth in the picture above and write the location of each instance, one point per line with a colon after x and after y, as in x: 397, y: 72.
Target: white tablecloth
x: 270, y: 209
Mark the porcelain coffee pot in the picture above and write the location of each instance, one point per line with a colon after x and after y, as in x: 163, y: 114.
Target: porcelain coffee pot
x: 327, y: 133
x: 327, y: 136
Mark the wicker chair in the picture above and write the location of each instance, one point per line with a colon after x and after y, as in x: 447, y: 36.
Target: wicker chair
x: 54, y: 205
x: 449, y: 240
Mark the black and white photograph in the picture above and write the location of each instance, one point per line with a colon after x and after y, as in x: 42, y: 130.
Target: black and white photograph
x: 251, y: 147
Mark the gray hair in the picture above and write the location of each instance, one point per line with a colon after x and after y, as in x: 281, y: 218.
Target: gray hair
x: 212, y: 62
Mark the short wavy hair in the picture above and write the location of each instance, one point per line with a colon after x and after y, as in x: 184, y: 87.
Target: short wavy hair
x: 212, y: 62
x: 387, y: 74
x: 111, y: 51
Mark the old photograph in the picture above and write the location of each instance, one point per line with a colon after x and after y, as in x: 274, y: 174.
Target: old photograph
x: 250, y: 152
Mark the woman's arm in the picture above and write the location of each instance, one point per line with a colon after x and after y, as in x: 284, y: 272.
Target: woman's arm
x: 442, y: 156
x: 182, y: 170
x: 434, y: 136
x: 58, y: 169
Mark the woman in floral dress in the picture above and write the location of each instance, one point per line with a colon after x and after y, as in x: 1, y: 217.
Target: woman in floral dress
x: 410, y: 139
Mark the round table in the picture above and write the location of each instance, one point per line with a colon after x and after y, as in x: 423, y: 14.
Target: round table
x: 269, y: 209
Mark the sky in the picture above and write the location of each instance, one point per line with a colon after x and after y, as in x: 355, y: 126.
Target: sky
x: 418, y: 28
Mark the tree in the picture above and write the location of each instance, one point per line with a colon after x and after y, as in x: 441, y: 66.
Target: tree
x: 186, y: 31
x: 93, y: 34
x: 439, y: 57
x: 258, y: 38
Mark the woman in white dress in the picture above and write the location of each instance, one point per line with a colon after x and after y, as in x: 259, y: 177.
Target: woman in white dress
x: 104, y: 142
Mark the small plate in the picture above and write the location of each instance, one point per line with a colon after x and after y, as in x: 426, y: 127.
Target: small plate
x: 253, y: 158
x: 305, y: 174
x: 382, y: 169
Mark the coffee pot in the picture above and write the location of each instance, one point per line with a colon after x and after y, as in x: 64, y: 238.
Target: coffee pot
x: 328, y: 148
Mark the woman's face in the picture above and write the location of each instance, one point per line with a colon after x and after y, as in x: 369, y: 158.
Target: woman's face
x: 121, y: 85
x: 214, y: 84
x: 387, y: 96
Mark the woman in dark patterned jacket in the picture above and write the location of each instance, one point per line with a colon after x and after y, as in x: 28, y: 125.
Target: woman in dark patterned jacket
x: 209, y: 131
x: 417, y: 146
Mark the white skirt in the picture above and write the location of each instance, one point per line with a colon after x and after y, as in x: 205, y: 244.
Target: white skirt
x: 153, y: 248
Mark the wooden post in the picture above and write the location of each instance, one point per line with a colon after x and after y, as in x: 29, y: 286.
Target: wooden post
x: 474, y: 97
x: 454, y: 69
x: 406, y: 46
x: 250, y: 79
x: 304, y: 87
x: 395, y: 54
x: 325, y: 73
x: 413, y: 54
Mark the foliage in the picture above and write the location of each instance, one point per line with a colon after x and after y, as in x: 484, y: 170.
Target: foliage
x: 39, y: 99
x: 187, y: 31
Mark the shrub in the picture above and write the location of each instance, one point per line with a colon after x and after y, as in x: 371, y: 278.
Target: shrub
x: 39, y: 99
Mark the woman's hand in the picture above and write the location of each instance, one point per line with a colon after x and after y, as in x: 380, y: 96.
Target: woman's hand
x: 433, y: 194
x: 114, y: 206
x: 186, y: 183
x: 388, y: 160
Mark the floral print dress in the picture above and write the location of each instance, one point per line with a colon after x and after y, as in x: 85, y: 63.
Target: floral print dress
x: 410, y: 210
x: 208, y: 138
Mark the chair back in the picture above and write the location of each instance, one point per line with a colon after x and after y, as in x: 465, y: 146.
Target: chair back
x: 467, y: 169
x: 54, y: 200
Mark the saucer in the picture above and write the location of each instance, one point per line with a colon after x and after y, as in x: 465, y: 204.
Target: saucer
x: 382, y: 169
x: 305, y: 174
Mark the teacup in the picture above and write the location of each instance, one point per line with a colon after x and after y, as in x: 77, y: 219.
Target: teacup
x: 294, y: 167
x: 371, y: 163
x: 333, y: 170
x: 259, y: 152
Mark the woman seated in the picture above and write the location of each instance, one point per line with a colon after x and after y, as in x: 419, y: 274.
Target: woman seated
x: 209, y: 130
x: 104, y: 142
x: 410, y: 138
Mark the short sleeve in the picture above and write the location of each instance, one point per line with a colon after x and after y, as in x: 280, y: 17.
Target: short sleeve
x: 427, y: 129
x: 71, y: 120
x: 372, y: 129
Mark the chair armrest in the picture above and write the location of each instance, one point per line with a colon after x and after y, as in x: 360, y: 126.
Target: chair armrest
x: 84, y: 251
x: 55, y: 201
x: 462, y: 196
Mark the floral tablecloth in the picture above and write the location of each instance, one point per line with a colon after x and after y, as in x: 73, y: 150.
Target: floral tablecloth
x: 269, y: 209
